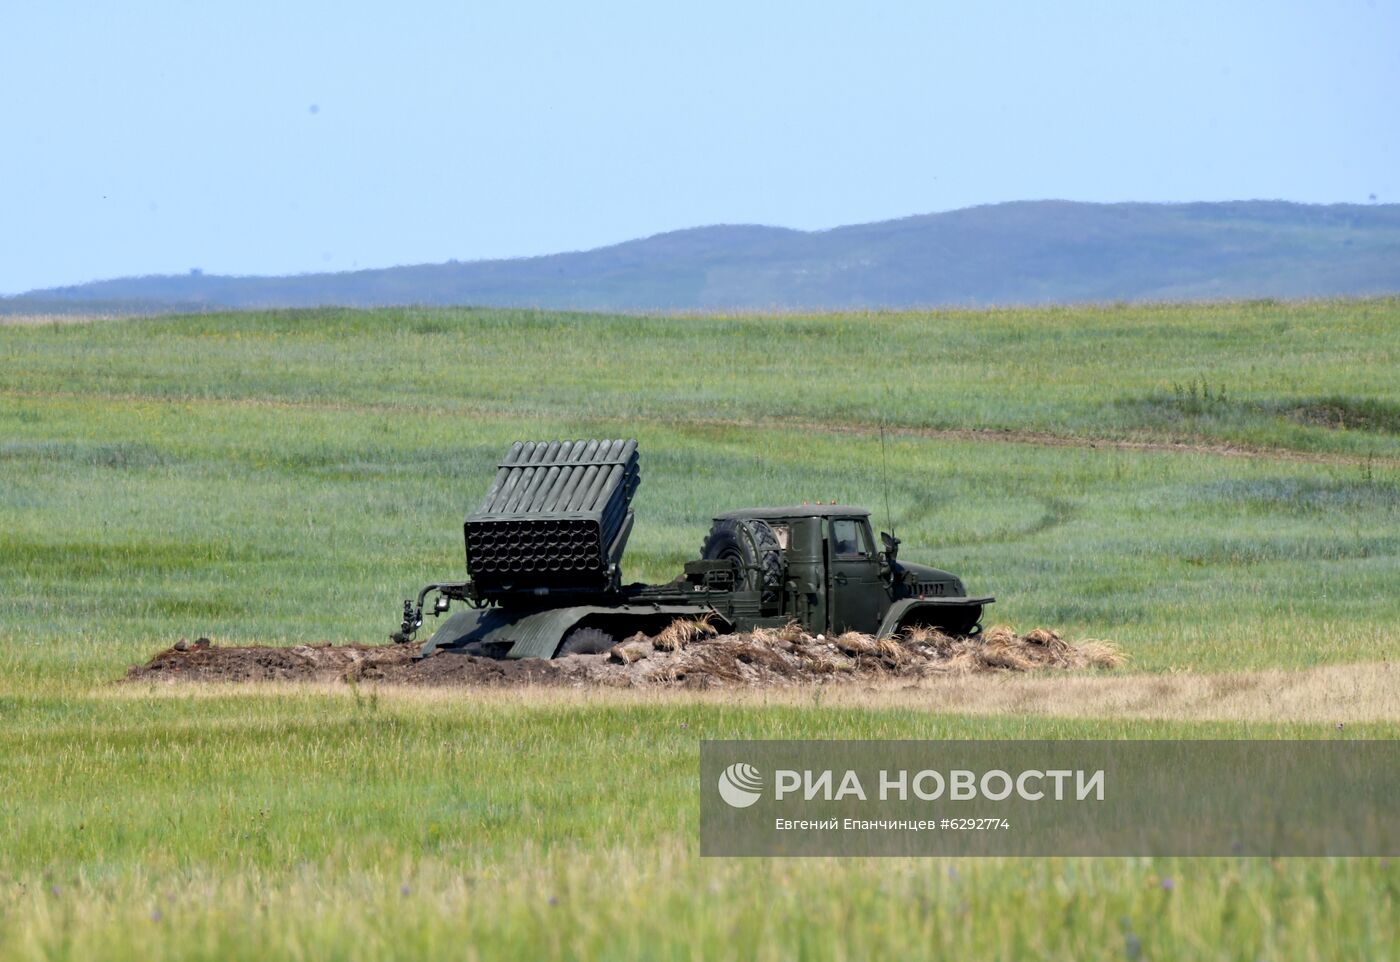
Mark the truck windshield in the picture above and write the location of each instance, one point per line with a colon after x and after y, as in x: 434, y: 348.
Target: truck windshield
x: 848, y: 538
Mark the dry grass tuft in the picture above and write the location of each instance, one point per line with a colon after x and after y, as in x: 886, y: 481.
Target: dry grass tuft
x: 1100, y: 654
x: 627, y: 652
x: 858, y: 645
x: 1001, y: 648
x: 682, y: 631
x: 855, y: 643
x: 784, y: 637
x: 921, y: 635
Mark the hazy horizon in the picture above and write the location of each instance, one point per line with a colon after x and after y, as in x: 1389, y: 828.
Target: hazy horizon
x: 1012, y: 253
x: 686, y: 229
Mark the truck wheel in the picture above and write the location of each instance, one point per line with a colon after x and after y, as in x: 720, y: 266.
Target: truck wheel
x: 586, y: 641
x: 956, y: 622
x: 752, y: 546
x: 964, y: 623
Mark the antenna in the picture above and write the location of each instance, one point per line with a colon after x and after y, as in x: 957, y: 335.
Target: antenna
x: 885, y: 478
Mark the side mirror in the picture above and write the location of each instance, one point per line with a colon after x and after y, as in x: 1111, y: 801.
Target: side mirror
x: 891, y: 544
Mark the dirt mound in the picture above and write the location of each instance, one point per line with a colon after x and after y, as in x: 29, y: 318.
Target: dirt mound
x: 689, y: 654
x: 204, y: 661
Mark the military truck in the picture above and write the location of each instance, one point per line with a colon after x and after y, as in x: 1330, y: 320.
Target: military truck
x: 544, y: 553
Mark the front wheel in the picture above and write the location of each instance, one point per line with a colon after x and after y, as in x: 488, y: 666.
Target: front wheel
x: 956, y: 622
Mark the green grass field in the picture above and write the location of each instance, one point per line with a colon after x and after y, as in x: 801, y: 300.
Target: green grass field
x: 1216, y: 488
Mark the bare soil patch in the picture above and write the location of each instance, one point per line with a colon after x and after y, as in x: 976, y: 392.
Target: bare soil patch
x: 687, y: 655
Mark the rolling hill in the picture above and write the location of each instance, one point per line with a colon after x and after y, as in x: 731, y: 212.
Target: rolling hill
x: 1030, y: 252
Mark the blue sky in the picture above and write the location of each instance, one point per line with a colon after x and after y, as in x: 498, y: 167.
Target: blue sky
x: 264, y: 138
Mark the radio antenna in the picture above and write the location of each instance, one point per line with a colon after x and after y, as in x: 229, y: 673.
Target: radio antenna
x: 885, y: 478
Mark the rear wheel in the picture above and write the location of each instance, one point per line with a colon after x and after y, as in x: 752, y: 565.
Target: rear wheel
x: 586, y: 641
x: 753, y: 548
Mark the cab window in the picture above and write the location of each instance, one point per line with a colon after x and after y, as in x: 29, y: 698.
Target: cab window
x: 849, y: 539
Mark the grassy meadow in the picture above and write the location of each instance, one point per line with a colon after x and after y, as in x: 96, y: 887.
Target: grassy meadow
x: 1216, y: 488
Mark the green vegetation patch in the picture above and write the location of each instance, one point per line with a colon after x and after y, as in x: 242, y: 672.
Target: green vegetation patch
x: 288, y: 477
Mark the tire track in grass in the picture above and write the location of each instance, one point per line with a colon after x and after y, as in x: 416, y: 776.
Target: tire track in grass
x: 1223, y: 449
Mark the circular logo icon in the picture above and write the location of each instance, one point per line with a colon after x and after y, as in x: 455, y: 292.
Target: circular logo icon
x: 740, y: 785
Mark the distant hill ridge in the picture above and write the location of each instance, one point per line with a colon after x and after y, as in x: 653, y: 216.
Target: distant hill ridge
x: 1028, y: 252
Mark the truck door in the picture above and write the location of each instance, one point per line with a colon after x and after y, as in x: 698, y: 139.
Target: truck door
x: 857, y: 595
x: 806, y: 564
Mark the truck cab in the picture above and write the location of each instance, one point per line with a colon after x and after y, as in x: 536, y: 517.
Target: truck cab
x: 836, y: 579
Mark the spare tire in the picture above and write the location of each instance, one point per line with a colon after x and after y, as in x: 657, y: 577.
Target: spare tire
x: 753, y: 548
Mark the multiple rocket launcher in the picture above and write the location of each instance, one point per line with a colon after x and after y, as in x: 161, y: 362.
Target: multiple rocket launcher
x: 557, y: 516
